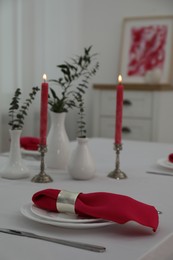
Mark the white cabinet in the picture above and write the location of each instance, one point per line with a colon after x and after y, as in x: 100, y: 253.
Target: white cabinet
x: 137, y: 114
x: 147, y: 112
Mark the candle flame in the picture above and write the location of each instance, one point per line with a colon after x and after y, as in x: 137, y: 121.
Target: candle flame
x: 120, y: 79
x: 44, y: 77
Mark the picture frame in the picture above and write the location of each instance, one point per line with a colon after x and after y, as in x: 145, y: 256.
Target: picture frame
x: 147, y: 50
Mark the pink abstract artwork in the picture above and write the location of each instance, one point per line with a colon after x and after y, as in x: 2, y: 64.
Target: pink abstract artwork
x: 147, y: 49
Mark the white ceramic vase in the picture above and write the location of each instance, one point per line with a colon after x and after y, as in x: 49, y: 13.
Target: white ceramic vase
x: 57, y: 155
x: 15, y: 168
x: 81, y: 165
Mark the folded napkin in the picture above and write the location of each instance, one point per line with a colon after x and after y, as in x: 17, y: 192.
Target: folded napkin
x: 170, y: 157
x: 29, y: 143
x: 104, y: 205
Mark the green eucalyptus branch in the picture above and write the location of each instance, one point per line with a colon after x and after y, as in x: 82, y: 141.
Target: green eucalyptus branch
x: 77, y: 72
x: 74, y: 71
x: 81, y: 120
x: 18, y: 113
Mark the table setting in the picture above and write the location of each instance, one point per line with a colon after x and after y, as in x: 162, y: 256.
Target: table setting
x: 20, y: 213
x: 164, y: 166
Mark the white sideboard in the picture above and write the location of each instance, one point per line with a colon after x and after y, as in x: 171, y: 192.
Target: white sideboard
x: 141, y: 110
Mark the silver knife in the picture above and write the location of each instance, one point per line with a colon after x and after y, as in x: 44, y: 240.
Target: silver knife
x: 160, y: 173
x: 94, y: 248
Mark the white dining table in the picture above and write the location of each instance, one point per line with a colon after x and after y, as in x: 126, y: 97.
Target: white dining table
x: 128, y: 241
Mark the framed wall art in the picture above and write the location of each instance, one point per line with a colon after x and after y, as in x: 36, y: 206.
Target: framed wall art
x: 147, y: 50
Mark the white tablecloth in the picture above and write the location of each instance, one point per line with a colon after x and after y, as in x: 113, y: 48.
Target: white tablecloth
x: 130, y: 241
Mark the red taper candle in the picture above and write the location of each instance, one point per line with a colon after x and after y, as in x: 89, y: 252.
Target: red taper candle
x: 119, y: 111
x: 44, y: 111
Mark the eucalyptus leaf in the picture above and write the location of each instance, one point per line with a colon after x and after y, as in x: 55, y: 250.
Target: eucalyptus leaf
x: 16, y: 112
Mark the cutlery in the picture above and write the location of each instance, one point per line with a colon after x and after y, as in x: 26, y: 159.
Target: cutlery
x: 85, y: 246
x: 24, y: 156
x: 160, y: 173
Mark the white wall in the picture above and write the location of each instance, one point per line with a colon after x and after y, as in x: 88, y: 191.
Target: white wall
x: 37, y: 35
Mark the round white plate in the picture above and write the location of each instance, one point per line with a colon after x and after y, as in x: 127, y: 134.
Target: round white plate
x: 165, y: 163
x: 29, y: 152
x: 61, y: 217
x: 26, y: 211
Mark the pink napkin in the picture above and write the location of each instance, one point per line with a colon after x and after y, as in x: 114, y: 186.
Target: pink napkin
x: 108, y: 206
x: 29, y: 143
x: 170, y: 157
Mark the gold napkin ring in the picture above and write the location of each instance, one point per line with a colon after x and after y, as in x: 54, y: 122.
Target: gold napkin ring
x: 66, y: 201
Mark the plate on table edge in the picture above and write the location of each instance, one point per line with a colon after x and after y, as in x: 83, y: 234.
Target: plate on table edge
x: 29, y: 152
x: 165, y: 163
x: 62, y: 217
x: 26, y: 212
